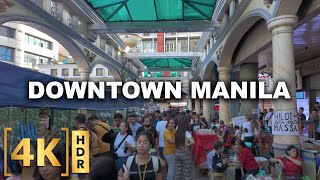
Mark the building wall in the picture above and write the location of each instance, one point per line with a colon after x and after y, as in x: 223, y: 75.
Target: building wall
x: 20, y: 46
x: 99, y: 71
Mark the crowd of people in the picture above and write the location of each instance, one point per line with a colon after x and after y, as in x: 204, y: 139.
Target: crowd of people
x: 159, y: 146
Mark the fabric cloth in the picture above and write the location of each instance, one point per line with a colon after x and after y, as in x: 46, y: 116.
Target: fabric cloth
x: 134, y: 128
x: 121, y: 149
x: 247, y: 125
x: 149, y: 173
x: 101, y: 129
x: 161, y: 127
x: 201, y: 143
x: 171, y: 161
x: 290, y: 169
x: 247, y: 159
x: 169, y: 148
x: 183, y: 165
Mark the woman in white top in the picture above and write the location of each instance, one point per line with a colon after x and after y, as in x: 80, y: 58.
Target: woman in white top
x: 184, y: 142
x: 126, y: 148
x: 247, y: 129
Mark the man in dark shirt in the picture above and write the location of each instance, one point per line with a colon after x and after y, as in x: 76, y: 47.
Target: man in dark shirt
x: 218, y: 163
x: 302, y: 118
x: 147, y: 127
x: 156, y: 118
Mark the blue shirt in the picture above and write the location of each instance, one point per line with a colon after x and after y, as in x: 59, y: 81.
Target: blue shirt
x: 210, y: 159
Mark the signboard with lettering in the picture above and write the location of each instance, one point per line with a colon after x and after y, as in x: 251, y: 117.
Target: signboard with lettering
x: 238, y: 121
x: 285, y: 123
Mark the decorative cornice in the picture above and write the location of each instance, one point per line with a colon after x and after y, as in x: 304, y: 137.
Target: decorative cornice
x: 74, y: 35
x: 4, y: 4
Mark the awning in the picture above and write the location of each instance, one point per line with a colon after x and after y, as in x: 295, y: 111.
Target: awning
x: 169, y: 63
x: 153, y: 10
x: 14, y: 92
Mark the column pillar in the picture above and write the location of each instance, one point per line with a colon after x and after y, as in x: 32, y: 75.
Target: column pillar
x: 211, y: 42
x: 84, y: 74
x: 249, y: 72
x: 232, y: 8
x: 189, y: 102
x: 206, y: 109
x: 197, y: 106
x: 224, y: 108
x: 284, y: 70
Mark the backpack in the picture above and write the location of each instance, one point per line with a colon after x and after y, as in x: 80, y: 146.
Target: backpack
x: 155, y: 163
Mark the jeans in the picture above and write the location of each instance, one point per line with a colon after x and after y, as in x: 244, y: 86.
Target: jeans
x: 171, y: 161
x: 161, y: 153
x: 120, y: 161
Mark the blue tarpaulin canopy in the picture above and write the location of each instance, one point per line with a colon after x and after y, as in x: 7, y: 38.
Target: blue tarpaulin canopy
x: 14, y: 92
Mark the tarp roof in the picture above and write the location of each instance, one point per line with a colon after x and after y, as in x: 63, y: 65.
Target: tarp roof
x: 14, y: 92
x: 153, y: 10
x: 167, y: 62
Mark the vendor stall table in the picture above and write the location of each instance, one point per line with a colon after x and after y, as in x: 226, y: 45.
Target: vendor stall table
x: 201, y: 143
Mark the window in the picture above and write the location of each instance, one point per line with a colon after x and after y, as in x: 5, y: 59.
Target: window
x: 38, y: 42
x: 54, y: 72
x: 76, y: 72
x: 6, y: 54
x: 33, y: 59
x: 170, y: 46
x: 110, y: 48
x: 193, y: 45
x: 99, y: 71
x: 7, y: 32
x: 147, y: 46
x: 65, y: 72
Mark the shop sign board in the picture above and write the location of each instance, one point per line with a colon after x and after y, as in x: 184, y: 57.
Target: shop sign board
x: 238, y: 121
x: 285, y: 123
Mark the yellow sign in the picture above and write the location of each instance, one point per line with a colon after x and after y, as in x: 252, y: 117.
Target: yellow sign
x: 80, y: 152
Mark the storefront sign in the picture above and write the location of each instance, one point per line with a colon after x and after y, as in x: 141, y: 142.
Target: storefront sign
x: 285, y: 123
x: 238, y: 121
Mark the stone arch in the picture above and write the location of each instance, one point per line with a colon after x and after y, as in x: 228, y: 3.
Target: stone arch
x: 76, y: 52
x: 240, y: 28
x: 115, y: 73
x: 210, y: 72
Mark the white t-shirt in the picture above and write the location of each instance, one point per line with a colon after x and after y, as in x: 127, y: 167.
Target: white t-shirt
x: 268, y: 117
x: 161, y: 126
x: 249, y: 126
x: 120, y: 151
x: 134, y: 129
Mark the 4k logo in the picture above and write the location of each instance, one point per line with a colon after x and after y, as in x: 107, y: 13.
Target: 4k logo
x: 80, y: 152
